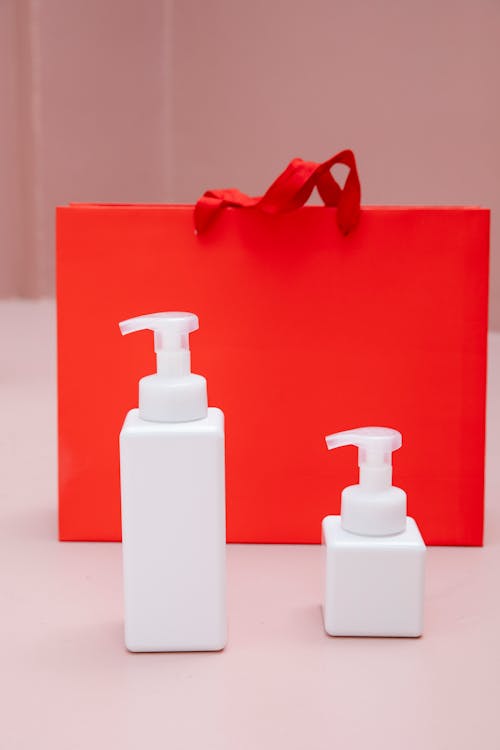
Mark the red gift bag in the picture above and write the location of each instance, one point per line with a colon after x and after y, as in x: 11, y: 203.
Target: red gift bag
x: 312, y: 320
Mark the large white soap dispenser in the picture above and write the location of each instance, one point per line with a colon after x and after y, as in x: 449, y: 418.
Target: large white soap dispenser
x: 375, y: 555
x: 173, y: 501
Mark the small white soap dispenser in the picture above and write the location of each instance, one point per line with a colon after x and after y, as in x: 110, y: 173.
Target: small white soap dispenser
x: 375, y: 555
x: 173, y: 501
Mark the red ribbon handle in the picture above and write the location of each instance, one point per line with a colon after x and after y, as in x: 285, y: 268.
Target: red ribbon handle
x: 290, y: 191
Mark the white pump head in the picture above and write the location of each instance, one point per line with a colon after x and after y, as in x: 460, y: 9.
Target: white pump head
x: 374, y: 506
x: 174, y: 394
x: 375, y: 453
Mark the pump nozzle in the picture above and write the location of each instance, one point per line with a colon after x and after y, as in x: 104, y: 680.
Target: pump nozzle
x: 171, y: 331
x: 174, y: 394
x: 373, y: 506
x: 375, y: 453
x: 375, y: 444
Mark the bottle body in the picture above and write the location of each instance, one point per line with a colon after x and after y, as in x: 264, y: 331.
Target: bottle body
x: 374, y: 584
x: 174, y: 533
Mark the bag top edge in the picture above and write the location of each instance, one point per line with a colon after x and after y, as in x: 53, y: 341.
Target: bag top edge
x: 189, y: 207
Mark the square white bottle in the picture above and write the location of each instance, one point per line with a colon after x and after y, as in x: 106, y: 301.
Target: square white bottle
x: 374, y: 553
x: 173, y: 502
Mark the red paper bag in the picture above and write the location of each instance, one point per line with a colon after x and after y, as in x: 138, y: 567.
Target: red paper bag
x: 309, y: 324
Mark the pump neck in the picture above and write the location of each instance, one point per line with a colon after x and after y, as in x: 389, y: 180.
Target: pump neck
x: 375, y: 478
x: 173, y: 364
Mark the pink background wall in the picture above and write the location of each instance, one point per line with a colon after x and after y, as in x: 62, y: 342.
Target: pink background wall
x: 155, y: 101
x: 87, y: 116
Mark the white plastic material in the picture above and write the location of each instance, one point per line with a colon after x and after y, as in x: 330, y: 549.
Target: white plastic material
x: 375, y: 555
x: 173, y: 505
x: 374, y: 585
x: 174, y: 394
x: 374, y: 506
x: 174, y: 533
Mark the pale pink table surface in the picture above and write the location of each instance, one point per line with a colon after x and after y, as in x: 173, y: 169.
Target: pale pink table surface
x: 67, y: 682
